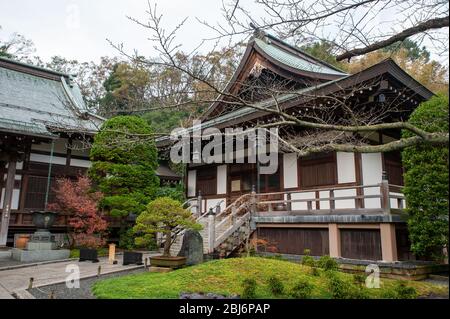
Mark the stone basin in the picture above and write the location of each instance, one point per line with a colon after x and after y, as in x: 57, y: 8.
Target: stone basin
x: 43, y: 220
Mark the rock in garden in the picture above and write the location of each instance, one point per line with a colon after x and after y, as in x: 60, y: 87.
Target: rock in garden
x: 192, y: 247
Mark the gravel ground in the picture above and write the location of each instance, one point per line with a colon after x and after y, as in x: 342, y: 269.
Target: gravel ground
x: 60, y: 291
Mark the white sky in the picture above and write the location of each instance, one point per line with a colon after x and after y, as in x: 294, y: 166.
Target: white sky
x: 79, y: 28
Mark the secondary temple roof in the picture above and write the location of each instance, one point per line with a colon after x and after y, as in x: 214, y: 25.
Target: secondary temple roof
x: 296, y: 58
x: 37, y: 102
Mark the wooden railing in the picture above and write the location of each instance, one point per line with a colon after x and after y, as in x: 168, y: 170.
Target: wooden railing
x: 313, y: 199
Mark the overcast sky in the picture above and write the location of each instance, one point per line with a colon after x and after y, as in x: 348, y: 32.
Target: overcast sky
x: 79, y: 28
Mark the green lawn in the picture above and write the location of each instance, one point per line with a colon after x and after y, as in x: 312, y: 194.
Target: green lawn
x: 225, y: 277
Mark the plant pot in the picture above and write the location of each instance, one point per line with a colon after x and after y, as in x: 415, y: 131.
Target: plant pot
x: 88, y: 254
x: 170, y: 262
x: 130, y: 257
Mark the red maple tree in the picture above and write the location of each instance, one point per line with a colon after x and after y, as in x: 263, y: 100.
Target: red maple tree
x: 74, y: 197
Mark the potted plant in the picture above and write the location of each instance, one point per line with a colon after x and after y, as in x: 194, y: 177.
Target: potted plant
x: 164, y: 215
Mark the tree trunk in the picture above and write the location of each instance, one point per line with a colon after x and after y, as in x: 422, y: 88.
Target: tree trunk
x: 167, y: 243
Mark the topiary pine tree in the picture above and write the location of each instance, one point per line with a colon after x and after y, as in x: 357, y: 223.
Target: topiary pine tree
x: 124, y: 162
x: 163, y: 215
x: 426, y: 182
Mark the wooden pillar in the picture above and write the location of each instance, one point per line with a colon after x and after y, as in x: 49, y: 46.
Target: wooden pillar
x: 211, y: 230
x: 199, y: 204
x: 7, y: 200
x: 388, y: 242
x: 334, y: 240
x: 359, y: 203
x: 384, y: 192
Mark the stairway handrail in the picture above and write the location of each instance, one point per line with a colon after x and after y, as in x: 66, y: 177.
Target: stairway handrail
x: 230, y: 216
x: 233, y: 204
x: 219, y: 240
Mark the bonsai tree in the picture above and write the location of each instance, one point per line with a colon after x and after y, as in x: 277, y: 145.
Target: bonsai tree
x: 163, y: 215
x: 76, y: 199
x: 426, y: 182
x: 124, y: 163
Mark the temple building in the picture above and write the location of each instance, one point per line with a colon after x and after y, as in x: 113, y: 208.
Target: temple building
x: 343, y: 204
x: 46, y: 131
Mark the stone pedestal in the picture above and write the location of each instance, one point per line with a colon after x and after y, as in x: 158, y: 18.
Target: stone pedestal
x: 5, y: 254
x: 39, y: 255
x: 41, y: 247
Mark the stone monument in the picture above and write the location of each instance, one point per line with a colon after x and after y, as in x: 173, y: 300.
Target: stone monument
x: 192, y: 247
x: 42, y: 245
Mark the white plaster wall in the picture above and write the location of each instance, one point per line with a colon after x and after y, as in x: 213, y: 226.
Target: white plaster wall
x: 345, y: 203
x: 80, y: 163
x: 372, y: 170
x: 15, y: 198
x: 324, y: 204
x: 192, y: 181
x: 46, y: 159
x: 302, y: 205
x: 290, y: 170
x: 339, y: 204
x: 394, y: 201
x: 222, y: 179
x: 211, y: 203
x: 346, y: 167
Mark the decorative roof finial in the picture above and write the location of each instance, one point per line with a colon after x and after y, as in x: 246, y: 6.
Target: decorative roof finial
x: 254, y: 27
x: 257, y: 33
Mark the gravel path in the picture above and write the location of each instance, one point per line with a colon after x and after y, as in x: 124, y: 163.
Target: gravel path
x: 60, y: 291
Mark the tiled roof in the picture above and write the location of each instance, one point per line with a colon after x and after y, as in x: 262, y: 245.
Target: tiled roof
x: 32, y: 100
x: 295, y: 60
x: 164, y: 171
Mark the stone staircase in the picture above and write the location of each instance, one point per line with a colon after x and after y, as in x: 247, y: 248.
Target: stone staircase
x: 230, y: 228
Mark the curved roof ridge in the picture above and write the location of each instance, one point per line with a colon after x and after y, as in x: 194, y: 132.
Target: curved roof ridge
x: 29, y: 68
x: 302, y: 52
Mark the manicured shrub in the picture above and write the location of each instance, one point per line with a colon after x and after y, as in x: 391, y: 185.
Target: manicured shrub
x: 301, y: 290
x: 400, y: 291
x: 339, y: 288
x: 359, y: 279
x: 426, y: 182
x: 248, y: 288
x: 276, y: 286
x: 327, y: 263
x: 308, y: 261
x: 315, y: 272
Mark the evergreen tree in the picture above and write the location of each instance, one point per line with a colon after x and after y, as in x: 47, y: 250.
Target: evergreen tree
x: 426, y: 182
x: 124, y: 163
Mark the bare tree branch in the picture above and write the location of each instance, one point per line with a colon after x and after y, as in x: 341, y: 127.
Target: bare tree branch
x: 425, y: 26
